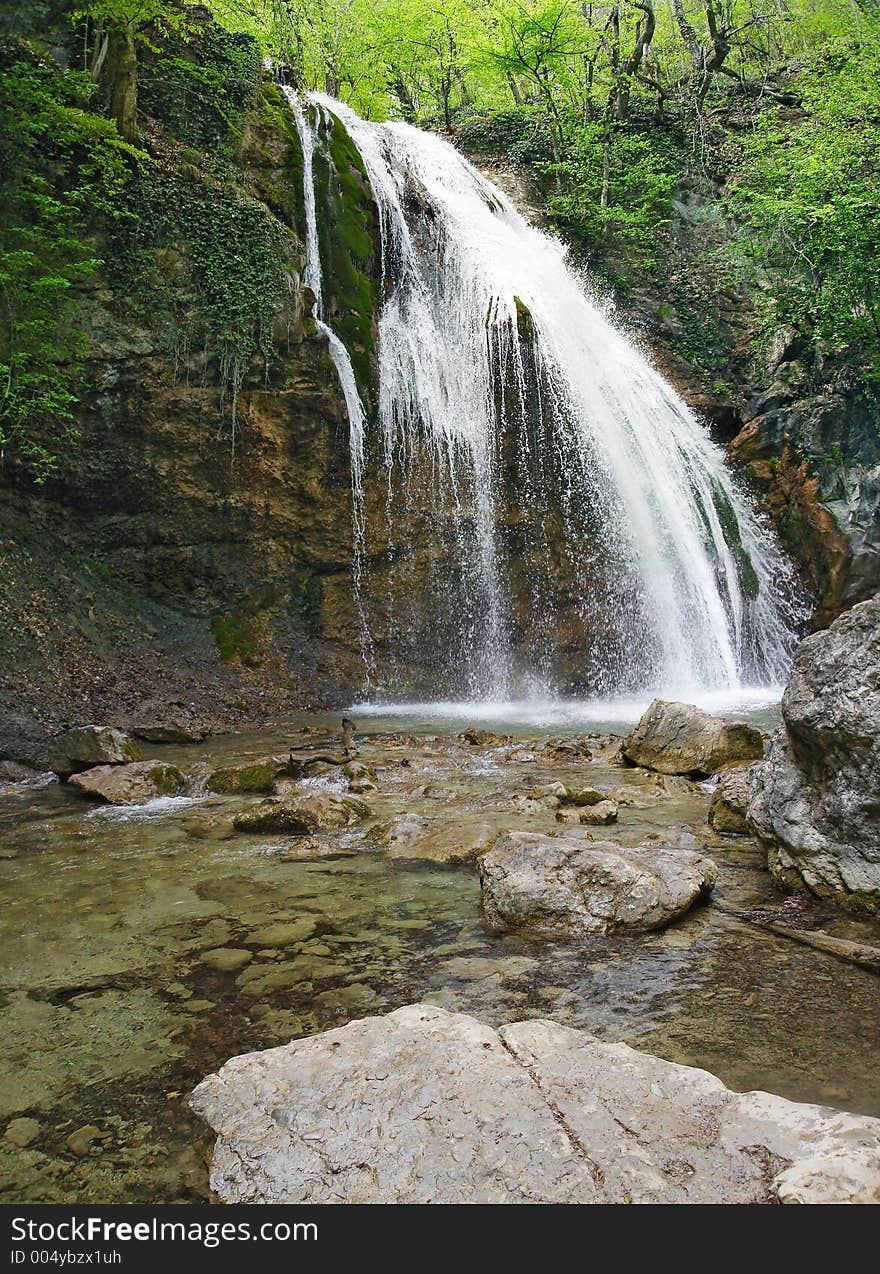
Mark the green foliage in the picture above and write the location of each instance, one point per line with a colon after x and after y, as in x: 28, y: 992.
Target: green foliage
x: 807, y: 193
x: 615, y: 189
x: 208, y: 262
x: 63, y: 165
x: 200, y: 85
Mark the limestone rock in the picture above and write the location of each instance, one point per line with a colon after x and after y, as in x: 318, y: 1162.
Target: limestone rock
x: 313, y: 812
x: 730, y: 800
x: 439, y: 842
x: 598, y: 815
x: 563, y: 887
x: 22, y: 1131
x: 91, y: 745
x: 815, y: 800
x: 428, y: 1106
x: 678, y: 738
x: 133, y: 784
x: 311, y: 848
x: 226, y: 959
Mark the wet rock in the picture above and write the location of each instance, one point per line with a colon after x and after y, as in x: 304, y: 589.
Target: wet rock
x: 170, y: 730
x: 598, y: 815
x: 284, y: 933
x: 678, y: 738
x: 22, y: 1131
x: 314, y: 812
x: 255, y: 776
x: 589, y: 796
x: 730, y: 800
x: 226, y: 959
x: 480, y: 738
x: 360, y: 786
x: 312, y: 848
x: 526, y: 803
x: 564, y: 887
x: 91, y: 745
x: 541, y: 790
x: 430, y: 1106
x: 814, y: 801
x: 417, y: 838
x: 15, y: 772
x: 210, y: 826
x: 80, y: 1143
x: 133, y: 784
x: 355, y: 770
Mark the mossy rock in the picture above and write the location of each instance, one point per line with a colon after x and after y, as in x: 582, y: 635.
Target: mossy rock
x: 258, y: 776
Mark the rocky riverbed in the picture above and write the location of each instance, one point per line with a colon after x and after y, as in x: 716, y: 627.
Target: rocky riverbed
x: 143, y: 945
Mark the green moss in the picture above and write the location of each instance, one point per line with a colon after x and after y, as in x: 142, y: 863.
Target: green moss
x: 259, y: 777
x: 348, y: 237
x: 167, y: 780
x: 232, y: 638
x: 525, y: 324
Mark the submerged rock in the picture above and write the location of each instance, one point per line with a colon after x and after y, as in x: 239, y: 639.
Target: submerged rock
x: 730, y: 800
x: 419, y: 838
x: 91, y: 745
x: 562, y: 887
x: 314, y: 812
x: 133, y: 784
x: 429, y: 1106
x: 679, y: 738
x: 311, y: 848
x: 815, y: 801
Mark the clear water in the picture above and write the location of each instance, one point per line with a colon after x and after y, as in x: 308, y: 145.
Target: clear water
x: 110, y: 1014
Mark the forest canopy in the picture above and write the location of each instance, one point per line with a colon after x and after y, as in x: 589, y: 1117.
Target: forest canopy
x: 764, y: 113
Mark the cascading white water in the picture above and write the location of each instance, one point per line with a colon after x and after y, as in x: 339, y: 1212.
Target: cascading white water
x: 309, y: 137
x: 498, y: 371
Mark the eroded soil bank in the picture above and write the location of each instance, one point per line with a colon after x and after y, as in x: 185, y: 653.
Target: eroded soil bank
x: 115, y: 1002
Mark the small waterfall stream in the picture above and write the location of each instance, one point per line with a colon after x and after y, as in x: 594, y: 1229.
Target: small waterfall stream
x: 561, y: 479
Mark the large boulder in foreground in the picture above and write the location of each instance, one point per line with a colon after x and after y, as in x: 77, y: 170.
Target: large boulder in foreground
x: 133, y: 784
x: 679, y: 738
x: 561, y: 887
x: 815, y: 801
x: 428, y: 1106
x: 91, y: 745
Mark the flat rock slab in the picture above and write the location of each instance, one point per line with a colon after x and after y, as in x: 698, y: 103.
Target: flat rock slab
x: 133, y: 784
x: 563, y: 887
x: 428, y: 1106
x: 678, y: 738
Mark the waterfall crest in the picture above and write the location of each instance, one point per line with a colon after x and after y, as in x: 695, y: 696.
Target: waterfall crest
x: 578, y: 514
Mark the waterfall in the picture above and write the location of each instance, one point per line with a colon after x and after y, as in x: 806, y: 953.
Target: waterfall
x: 309, y: 138
x: 580, y: 527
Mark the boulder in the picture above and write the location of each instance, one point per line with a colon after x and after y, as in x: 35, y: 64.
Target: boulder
x: 598, y: 815
x: 428, y: 1106
x: 133, y: 784
x: 254, y: 776
x: 445, y: 842
x: 815, y: 800
x: 91, y: 745
x: 678, y: 738
x: 313, y: 812
x: 730, y: 800
x: 562, y: 887
x: 311, y: 848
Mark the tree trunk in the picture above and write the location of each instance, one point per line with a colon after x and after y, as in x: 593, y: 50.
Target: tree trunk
x: 121, y: 64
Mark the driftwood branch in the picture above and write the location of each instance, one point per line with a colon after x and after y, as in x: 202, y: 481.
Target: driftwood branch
x: 860, y: 953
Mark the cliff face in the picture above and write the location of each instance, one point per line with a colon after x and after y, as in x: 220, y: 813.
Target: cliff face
x: 191, y: 555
